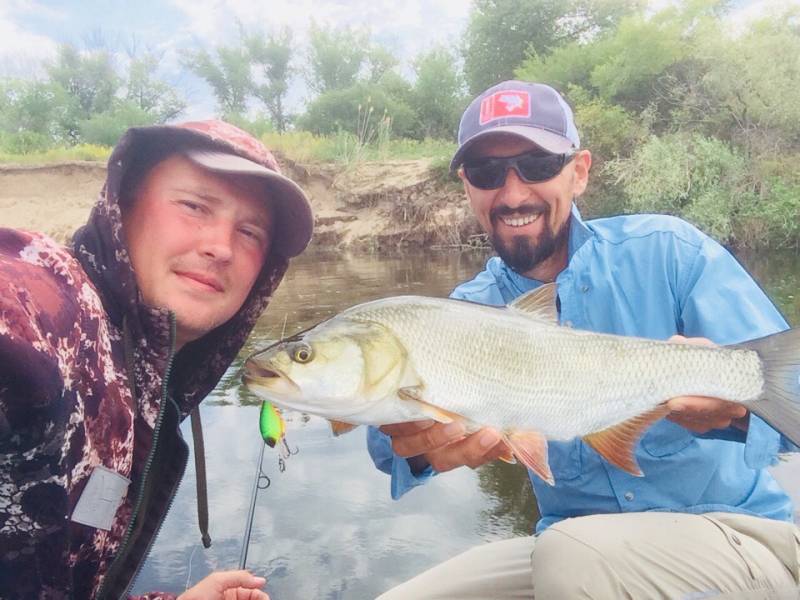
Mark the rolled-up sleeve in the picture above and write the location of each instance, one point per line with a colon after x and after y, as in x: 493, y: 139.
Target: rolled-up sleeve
x: 379, y: 446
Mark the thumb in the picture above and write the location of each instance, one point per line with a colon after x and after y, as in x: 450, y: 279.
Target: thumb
x: 232, y: 579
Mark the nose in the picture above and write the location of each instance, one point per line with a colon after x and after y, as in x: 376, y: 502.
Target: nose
x: 514, y: 191
x: 217, y: 243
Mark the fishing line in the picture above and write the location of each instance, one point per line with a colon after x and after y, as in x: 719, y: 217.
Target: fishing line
x: 262, y: 482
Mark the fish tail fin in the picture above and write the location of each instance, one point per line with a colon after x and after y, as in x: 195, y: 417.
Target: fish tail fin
x: 780, y: 404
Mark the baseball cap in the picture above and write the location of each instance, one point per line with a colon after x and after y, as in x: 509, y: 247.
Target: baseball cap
x: 294, y: 219
x: 533, y: 111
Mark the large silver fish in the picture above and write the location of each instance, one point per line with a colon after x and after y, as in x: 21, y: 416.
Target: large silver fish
x: 515, y: 369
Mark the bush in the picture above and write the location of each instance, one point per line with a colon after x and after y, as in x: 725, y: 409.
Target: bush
x: 358, y: 110
x: 700, y: 179
x: 106, y: 128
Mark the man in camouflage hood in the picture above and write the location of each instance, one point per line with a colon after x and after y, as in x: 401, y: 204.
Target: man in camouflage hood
x: 106, y: 346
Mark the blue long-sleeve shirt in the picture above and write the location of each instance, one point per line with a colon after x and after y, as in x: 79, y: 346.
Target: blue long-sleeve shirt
x: 648, y: 276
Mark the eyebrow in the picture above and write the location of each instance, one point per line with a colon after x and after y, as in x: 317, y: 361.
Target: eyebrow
x: 203, y: 194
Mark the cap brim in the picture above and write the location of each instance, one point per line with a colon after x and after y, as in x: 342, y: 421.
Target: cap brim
x: 295, y: 220
x: 547, y: 140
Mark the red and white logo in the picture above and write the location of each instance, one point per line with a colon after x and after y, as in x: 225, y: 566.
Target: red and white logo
x: 507, y: 103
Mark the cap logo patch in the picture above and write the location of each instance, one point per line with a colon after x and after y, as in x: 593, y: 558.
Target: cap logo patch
x: 507, y: 103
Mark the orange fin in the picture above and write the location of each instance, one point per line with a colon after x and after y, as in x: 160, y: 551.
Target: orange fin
x: 616, y: 444
x: 413, y: 394
x: 340, y: 427
x: 508, y: 456
x: 530, y: 448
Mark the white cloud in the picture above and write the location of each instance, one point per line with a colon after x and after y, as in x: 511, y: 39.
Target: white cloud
x: 22, y: 52
x: 759, y: 9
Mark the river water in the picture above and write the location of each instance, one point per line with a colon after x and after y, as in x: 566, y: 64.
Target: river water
x: 325, y: 527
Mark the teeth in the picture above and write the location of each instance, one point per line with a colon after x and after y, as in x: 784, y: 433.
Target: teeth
x: 519, y: 221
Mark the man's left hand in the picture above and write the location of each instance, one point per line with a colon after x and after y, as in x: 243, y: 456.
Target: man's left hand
x: 701, y: 413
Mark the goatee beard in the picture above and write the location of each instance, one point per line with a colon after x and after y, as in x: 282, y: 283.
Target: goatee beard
x: 523, y: 254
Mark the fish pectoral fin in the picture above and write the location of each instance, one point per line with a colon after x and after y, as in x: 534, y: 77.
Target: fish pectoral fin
x: 617, y: 444
x: 538, y: 304
x: 414, y: 394
x: 340, y: 427
x: 530, y: 448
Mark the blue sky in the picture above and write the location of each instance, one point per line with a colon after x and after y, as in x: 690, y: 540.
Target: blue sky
x: 30, y: 30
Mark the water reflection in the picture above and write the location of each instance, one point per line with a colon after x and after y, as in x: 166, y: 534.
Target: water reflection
x: 326, y: 528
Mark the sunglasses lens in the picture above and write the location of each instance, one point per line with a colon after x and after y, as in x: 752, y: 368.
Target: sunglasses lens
x: 486, y: 176
x: 490, y: 174
x: 540, y: 167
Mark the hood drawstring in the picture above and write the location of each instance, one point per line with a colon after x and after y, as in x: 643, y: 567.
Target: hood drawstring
x: 197, y: 438
x: 200, y: 476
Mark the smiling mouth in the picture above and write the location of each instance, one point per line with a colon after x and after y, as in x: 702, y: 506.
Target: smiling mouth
x: 519, y: 221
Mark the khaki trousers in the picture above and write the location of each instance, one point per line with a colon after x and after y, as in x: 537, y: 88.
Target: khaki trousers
x: 635, y: 556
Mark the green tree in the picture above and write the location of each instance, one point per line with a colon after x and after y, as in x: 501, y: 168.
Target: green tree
x: 272, y: 54
x: 228, y: 74
x: 380, y: 63
x: 107, y: 127
x: 361, y: 109
x: 150, y: 95
x: 34, y: 115
x: 501, y: 34
x: 336, y: 57
x: 438, y: 96
x: 89, y: 77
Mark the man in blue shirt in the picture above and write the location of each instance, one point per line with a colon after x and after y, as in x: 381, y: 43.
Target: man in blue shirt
x: 707, y: 518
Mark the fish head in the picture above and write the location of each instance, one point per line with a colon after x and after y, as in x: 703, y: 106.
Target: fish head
x: 337, y: 370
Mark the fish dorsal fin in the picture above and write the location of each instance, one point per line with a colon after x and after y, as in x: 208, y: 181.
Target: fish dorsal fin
x: 530, y: 448
x: 616, y: 444
x: 538, y: 304
x: 340, y: 427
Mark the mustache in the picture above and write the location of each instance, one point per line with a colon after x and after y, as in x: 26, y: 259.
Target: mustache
x: 524, y: 210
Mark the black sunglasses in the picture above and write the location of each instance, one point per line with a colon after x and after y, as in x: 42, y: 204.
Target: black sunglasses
x: 532, y: 167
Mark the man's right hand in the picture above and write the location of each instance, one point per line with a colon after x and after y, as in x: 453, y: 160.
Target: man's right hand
x: 227, y: 585
x: 444, y: 446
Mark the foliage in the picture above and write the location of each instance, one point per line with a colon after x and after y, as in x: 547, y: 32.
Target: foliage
x: 272, y: 54
x: 228, y: 74
x: 88, y: 77
x: 335, y: 57
x: 701, y: 179
x: 502, y: 33
x: 104, y: 129
x: 437, y: 97
x: 347, y: 109
x: 78, y: 152
x: 304, y: 146
x: 155, y: 98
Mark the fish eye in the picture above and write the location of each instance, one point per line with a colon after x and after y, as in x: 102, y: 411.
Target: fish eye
x: 302, y: 353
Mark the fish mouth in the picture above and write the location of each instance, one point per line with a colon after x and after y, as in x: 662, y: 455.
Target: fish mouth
x: 260, y: 375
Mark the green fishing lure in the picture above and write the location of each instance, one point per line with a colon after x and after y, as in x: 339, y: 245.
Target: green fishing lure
x: 271, y: 424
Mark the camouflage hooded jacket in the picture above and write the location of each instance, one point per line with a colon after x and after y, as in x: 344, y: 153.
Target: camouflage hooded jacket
x: 88, y: 377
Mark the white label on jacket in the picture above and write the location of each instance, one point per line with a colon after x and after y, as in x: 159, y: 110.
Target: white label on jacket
x: 100, y: 498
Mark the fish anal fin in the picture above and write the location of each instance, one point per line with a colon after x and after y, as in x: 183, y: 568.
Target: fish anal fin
x: 414, y: 394
x: 530, y: 448
x: 538, y: 304
x: 340, y: 427
x: 617, y: 444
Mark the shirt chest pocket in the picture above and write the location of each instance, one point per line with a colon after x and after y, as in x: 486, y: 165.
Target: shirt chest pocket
x: 666, y: 438
x: 564, y: 459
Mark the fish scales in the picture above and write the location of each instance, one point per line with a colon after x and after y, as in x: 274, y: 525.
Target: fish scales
x: 504, y: 369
